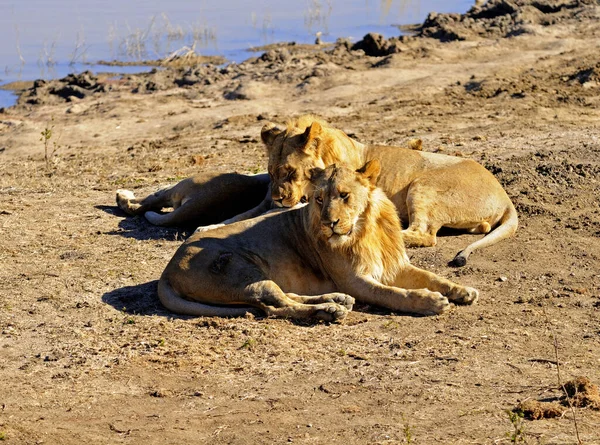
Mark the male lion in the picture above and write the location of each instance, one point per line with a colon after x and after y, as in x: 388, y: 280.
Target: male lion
x: 308, y: 262
x: 205, y: 198
x: 429, y: 190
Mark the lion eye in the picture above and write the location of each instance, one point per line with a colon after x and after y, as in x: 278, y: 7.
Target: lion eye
x: 344, y: 195
x: 319, y: 200
x: 303, y: 200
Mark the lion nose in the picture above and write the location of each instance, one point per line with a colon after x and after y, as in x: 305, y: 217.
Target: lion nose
x: 331, y: 224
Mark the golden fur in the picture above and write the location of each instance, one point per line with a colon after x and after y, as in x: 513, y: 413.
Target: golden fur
x: 377, y: 248
x: 429, y: 190
x: 308, y: 262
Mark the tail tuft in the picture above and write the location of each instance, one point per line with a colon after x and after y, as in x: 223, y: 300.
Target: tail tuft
x: 459, y: 260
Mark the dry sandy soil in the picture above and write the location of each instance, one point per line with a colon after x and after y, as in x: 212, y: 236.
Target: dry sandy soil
x: 90, y: 356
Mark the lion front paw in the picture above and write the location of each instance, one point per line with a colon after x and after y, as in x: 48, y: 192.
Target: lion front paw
x: 464, y: 295
x: 432, y: 303
x: 330, y: 312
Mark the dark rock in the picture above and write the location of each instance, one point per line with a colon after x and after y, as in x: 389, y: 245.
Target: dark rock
x: 85, y: 80
x: 70, y: 90
x: 373, y: 44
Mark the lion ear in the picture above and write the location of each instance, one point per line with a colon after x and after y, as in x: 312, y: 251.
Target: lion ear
x: 312, y: 132
x: 315, y: 174
x: 370, y: 170
x: 268, y: 134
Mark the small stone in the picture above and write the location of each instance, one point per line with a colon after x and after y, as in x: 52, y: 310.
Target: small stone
x: 502, y: 279
x: 76, y: 109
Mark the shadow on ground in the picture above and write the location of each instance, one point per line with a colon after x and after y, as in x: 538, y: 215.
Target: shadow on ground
x: 139, y: 228
x: 142, y: 299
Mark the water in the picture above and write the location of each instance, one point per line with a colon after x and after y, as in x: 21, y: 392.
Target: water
x: 49, y: 39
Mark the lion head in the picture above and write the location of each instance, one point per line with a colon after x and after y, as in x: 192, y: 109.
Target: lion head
x: 349, y: 213
x: 294, y: 150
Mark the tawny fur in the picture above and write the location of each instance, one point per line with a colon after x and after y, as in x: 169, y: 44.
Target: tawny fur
x: 304, y: 268
x: 429, y: 190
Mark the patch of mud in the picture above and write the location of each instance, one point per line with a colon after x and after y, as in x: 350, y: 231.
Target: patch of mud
x: 534, y: 410
x: 554, y: 81
x: 282, y: 64
x: 290, y: 46
x: 502, y: 18
x: 174, y: 60
x: 581, y: 392
x: 68, y: 89
x: 289, y: 63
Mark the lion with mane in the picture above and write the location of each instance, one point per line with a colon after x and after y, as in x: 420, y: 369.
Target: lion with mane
x: 310, y: 262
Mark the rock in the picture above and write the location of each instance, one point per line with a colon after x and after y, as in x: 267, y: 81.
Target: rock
x: 70, y: 90
x: 343, y: 43
x: 85, y: 80
x: 499, y: 18
x: 246, y: 91
x: 373, y: 44
x: 76, y: 109
x: 276, y: 55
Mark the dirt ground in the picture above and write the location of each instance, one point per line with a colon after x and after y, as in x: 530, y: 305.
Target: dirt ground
x: 90, y: 356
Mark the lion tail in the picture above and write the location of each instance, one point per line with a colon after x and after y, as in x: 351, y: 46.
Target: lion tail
x: 173, y: 301
x: 507, y: 227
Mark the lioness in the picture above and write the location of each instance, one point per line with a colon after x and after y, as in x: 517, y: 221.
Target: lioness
x: 205, y: 198
x: 308, y: 262
x: 429, y: 190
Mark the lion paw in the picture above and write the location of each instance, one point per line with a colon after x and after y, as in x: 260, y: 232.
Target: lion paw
x: 207, y: 228
x: 435, y: 303
x: 123, y: 198
x: 330, y: 312
x: 342, y: 299
x: 465, y: 295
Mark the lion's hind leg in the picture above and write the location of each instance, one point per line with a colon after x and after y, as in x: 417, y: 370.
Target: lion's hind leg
x: 127, y: 202
x: 411, y: 277
x: 336, y: 297
x: 415, y: 237
x: 269, y: 297
x: 422, y: 223
x: 131, y: 205
x: 176, y: 216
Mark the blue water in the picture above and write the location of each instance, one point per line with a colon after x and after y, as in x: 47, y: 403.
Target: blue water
x: 49, y: 39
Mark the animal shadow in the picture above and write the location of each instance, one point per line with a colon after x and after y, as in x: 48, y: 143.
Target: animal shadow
x: 139, y: 228
x: 141, y: 299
